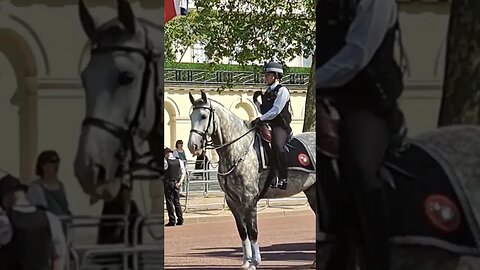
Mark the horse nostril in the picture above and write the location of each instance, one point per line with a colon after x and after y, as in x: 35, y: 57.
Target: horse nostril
x: 195, y: 147
x: 101, y: 176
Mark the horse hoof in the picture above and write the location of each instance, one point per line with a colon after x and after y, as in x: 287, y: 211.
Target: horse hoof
x: 252, y: 267
x: 246, y: 265
x: 256, y: 263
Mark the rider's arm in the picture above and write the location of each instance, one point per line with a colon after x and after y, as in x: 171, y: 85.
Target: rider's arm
x: 364, y: 37
x: 282, y: 97
x: 59, y: 242
x: 5, y: 230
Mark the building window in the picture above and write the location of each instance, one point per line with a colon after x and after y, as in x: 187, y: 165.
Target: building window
x: 198, y: 55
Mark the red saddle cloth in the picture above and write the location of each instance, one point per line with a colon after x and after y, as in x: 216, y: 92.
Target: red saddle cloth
x: 266, y: 132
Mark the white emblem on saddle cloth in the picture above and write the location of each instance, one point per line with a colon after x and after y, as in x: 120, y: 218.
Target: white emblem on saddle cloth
x: 442, y: 213
x: 303, y: 159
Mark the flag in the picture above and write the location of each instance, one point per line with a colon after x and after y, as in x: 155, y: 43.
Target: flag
x: 174, y: 8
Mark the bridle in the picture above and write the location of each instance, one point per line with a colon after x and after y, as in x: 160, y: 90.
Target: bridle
x: 211, y: 119
x: 126, y: 135
x: 208, y: 144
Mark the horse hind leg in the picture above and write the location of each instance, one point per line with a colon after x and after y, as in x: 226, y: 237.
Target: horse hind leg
x: 311, y: 194
x: 242, y: 231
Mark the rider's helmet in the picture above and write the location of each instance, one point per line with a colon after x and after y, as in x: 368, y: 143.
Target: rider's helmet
x: 274, y: 67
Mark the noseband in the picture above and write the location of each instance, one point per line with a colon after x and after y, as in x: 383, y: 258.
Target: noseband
x: 211, y: 119
x: 126, y: 135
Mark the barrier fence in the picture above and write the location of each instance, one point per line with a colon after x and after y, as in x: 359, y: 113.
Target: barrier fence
x: 201, y: 191
x: 200, y: 187
x: 130, y: 253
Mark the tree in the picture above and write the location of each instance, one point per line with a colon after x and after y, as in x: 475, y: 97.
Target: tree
x: 247, y: 32
x: 461, y: 88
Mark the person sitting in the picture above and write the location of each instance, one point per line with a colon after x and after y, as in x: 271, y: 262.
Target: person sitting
x: 275, y: 110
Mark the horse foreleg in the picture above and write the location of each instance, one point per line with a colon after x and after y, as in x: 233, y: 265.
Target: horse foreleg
x: 242, y: 231
x: 252, y: 229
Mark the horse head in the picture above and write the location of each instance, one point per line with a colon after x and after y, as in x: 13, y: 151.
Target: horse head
x: 121, y: 82
x: 202, y: 122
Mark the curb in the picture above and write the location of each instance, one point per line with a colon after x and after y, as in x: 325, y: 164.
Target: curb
x: 229, y: 217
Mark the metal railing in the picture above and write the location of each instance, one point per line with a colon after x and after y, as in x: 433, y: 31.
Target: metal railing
x: 231, y: 77
x: 203, y: 183
x: 85, y: 256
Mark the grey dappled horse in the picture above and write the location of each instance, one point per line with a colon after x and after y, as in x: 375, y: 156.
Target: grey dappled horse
x: 122, y: 84
x: 240, y: 180
x: 460, y: 147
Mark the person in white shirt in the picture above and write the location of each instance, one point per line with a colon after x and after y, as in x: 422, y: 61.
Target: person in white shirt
x: 175, y: 173
x: 275, y: 111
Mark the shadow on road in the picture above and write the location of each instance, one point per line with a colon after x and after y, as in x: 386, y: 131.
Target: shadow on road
x: 223, y: 267
x: 277, y: 252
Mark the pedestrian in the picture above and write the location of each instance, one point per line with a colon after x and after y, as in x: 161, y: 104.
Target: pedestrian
x: 31, y: 238
x: 48, y: 191
x: 174, y: 175
x: 358, y: 73
x: 179, y: 152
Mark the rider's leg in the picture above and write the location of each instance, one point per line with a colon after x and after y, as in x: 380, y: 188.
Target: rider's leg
x: 279, y: 139
x: 272, y: 177
x: 365, y: 141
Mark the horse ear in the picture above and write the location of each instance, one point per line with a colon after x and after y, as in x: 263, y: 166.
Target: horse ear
x: 192, y: 100
x: 204, y: 96
x: 126, y: 16
x: 88, y: 24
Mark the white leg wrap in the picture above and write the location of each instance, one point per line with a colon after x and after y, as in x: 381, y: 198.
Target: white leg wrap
x: 247, y: 253
x: 257, y: 257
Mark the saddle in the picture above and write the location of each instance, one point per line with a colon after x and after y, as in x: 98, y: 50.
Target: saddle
x: 265, y: 132
x: 299, y: 156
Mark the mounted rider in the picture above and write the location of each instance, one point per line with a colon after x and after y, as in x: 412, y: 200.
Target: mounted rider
x: 275, y: 111
x: 357, y: 72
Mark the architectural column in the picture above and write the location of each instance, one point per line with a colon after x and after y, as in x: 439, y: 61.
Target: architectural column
x: 156, y: 194
x: 28, y: 127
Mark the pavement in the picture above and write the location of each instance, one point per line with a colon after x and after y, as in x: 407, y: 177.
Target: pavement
x: 286, y: 242
x: 212, y: 208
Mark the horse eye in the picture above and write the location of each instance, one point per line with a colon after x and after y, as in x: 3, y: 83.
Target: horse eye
x: 126, y: 78
x: 204, y: 117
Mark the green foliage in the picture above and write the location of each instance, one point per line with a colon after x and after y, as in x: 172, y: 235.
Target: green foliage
x: 246, y: 31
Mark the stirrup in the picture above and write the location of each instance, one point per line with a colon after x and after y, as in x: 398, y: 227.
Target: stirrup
x: 282, y: 184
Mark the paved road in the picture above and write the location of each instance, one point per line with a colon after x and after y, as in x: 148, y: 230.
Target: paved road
x: 286, y: 242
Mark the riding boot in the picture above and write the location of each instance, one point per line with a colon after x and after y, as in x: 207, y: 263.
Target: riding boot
x: 282, y: 170
x: 272, y: 178
x: 374, y: 223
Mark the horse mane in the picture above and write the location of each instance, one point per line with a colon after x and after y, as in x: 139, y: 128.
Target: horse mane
x: 200, y: 102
